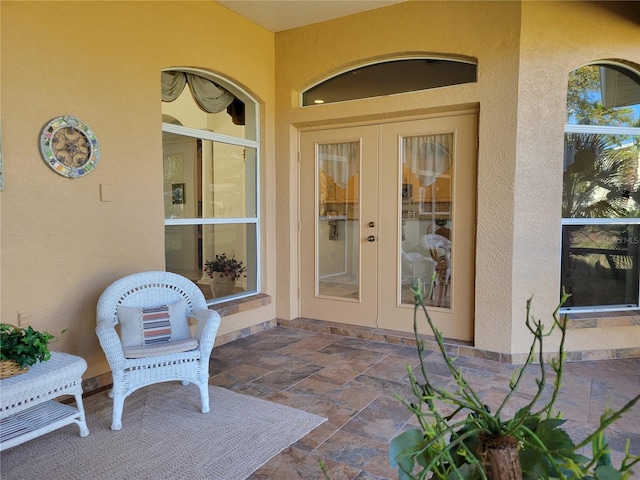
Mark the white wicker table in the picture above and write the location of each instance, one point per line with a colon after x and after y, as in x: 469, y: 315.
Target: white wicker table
x: 27, y: 409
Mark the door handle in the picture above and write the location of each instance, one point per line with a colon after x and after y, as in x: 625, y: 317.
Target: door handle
x: 371, y: 238
x: 372, y: 224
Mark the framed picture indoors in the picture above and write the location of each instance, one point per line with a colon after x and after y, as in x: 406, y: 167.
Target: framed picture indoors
x: 177, y: 193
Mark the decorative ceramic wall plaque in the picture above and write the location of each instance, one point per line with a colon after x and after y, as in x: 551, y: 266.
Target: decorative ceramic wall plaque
x: 69, y: 146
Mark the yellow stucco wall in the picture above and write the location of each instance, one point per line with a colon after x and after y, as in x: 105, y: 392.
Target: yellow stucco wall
x: 101, y: 61
x: 557, y: 37
x: 524, y: 52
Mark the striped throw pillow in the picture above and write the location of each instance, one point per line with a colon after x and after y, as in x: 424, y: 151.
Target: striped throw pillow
x: 156, y: 325
x: 141, y: 326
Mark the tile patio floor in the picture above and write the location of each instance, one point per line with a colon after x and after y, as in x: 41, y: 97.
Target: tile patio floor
x: 352, y: 382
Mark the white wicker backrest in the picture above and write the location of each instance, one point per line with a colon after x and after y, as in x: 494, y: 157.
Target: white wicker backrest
x: 148, y: 289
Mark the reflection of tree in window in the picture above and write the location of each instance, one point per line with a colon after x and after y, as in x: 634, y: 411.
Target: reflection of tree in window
x: 601, y: 178
x: 601, y: 186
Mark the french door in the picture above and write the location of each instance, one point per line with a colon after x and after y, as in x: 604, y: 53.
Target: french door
x: 384, y: 209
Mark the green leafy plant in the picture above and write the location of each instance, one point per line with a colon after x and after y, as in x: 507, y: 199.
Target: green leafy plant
x: 25, y: 346
x: 474, y: 443
x: 225, y: 267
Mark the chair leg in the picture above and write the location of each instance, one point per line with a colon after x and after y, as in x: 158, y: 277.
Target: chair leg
x: 118, y: 404
x: 204, y: 396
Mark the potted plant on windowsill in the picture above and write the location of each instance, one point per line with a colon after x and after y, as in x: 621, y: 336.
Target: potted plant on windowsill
x: 224, y: 271
x: 474, y: 443
x: 21, y: 348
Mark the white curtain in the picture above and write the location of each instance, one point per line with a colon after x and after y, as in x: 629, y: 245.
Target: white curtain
x: 340, y: 161
x: 209, y: 96
x: 428, y: 156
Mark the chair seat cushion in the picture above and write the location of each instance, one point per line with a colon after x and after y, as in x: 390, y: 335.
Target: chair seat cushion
x: 142, y: 351
x: 153, y: 324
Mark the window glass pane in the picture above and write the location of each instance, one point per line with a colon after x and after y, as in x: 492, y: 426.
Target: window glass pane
x: 182, y: 246
x: 182, y: 173
x: 600, y: 265
x: 386, y: 78
x: 229, y: 173
x: 338, y: 224
x: 204, y: 179
x: 603, y: 95
x: 188, y: 247
x: 601, y: 176
x: 426, y: 199
x: 237, y: 241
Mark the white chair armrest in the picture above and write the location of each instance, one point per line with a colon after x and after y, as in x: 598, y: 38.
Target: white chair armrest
x: 110, y: 343
x: 208, y: 322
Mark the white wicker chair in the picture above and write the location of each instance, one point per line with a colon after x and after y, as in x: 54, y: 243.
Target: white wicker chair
x: 150, y: 289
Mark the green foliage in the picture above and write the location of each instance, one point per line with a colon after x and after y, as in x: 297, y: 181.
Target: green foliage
x: 601, y: 171
x: 447, y: 446
x: 24, y: 345
x: 582, y: 92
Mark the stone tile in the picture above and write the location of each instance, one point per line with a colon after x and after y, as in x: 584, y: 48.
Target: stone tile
x: 290, y: 399
x: 351, y: 353
x: 388, y: 388
x: 359, y: 452
x: 309, y: 356
x: 255, y: 390
x: 344, y: 396
x: 392, y: 367
x: 401, y: 350
x: 272, y: 343
x: 381, y: 420
x: 319, y: 435
x: 336, y: 415
x: 370, y: 476
x: 287, y: 375
x: 484, y: 364
x: 296, y: 464
x: 352, y: 342
x: 315, y: 342
x: 289, y: 332
x: 237, y: 376
x: 266, y: 360
x: 342, y: 371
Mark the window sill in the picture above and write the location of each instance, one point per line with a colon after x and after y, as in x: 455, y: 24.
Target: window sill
x: 244, y: 304
x: 630, y: 318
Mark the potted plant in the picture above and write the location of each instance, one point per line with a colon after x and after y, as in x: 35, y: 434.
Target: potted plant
x: 224, y: 271
x: 21, y: 348
x: 474, y: 443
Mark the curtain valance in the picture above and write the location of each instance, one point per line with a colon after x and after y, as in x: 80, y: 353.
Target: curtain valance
x: 209, y: 96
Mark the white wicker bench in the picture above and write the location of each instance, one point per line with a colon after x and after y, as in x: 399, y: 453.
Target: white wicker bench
x: 27, y: 409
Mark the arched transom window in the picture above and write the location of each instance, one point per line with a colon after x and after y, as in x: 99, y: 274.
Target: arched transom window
x: 391, y: 77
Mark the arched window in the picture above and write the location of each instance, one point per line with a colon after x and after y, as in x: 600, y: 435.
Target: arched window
x: 390, y: 77
x: 210, y: 149
x: 601, y: 189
